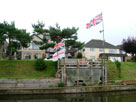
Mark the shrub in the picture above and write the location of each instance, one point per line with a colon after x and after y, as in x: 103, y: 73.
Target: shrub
x: 118, y: 66
x: 79, y: 55
x: 40, y: 64
x: 60, y: 84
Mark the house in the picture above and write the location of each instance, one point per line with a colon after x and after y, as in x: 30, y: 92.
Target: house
x: 3, y: 49
x: 95, y: 49
x: 33, y: 51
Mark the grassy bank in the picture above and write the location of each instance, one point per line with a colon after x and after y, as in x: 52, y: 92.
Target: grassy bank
x: 25, y: 69
x: 128, y: 71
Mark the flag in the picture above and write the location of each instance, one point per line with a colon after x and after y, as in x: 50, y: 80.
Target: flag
x: 98, y: 19
x: 59, y: 50
x: 59, y: 54
x: 59, y: 46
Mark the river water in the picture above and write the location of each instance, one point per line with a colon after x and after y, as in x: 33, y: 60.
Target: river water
x: 125, y: 96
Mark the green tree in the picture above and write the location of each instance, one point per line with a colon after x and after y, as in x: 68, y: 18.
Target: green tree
x: 2, y: 37
x: 70, y: 36
x: 129, y: 46
x: 17, y: 38
x: 39, y: 29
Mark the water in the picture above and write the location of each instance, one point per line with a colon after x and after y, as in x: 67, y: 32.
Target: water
x: 125, y: 96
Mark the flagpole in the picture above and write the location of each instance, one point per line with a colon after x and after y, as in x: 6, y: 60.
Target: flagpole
x: 103, y: 79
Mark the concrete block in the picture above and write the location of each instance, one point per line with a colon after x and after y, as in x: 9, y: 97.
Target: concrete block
x: 32, y: 85
x: 28, y: 81
x: 20, y: 85
x: 8, y: 81
x: 7, y: 85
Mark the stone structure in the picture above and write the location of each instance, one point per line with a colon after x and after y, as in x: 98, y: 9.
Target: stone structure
x: 29, y: 83
x: 81, y: 72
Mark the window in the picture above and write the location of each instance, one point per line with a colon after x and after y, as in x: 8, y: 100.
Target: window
x: 92, y: 57
x: 36, y: 56
x: 27, y: 56
x: 101, y: 50
x: 47, y: 37
x: 34, y: 46
x: 92, y: 49
x: 112, y: 51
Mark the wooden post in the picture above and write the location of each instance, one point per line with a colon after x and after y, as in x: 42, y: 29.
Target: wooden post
x: 58, y: 69
x: 64, y: 69
x: 91, y: 69
x: 78, y: 71
x: 103, y: 71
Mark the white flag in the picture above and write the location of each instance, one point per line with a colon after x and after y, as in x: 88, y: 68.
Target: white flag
x: 58, y: 54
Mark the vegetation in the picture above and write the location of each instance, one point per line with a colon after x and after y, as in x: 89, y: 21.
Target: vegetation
x: 39, y: 29
x: 17, y: 38
x: 70, y: 36
x: 40, y: 64
x: 60, y: 84
x: 128, y: 70
x: 129, y: 46
x: 118, y: 66
x: 25, y: 69
x: 79, y: 55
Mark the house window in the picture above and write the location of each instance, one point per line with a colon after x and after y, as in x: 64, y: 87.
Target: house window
x: 34, y: 46
x: 92, y: 49
x: 101, y: 50
x: 92, y: 57
x: 112, y: 51
x: 47, y: 37
x: 27, y: 56
x: 36, y: 56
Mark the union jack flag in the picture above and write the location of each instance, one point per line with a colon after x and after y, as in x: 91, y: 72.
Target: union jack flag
x: 98, y: 19
x: 59, y: 46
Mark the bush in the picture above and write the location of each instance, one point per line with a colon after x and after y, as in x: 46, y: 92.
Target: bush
x: 118, y: 66
x: 79, y: 55
x: 40, y: 64
x: 60, y: 84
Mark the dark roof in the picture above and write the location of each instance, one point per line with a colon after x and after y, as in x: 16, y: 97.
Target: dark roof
x: 119, y: 46
x: 99, y: 44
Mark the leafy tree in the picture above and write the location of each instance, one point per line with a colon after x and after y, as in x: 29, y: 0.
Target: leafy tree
x: 129, y: 46
x: 39, y: 29
x: 2, y: 37
x: 70, y: 36
x: 17, y: 38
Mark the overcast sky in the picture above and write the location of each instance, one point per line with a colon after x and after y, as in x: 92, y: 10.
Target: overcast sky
x: 119, y: 16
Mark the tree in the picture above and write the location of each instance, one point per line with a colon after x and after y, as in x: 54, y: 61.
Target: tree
x: 2, y: 37
x: 17, y: 38
x: 39, y: 29
x: 70, y: 36
x: 129, y: 46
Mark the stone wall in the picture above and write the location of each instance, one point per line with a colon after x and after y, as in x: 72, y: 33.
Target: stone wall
x: 84, y: 75
x: 29, y: 83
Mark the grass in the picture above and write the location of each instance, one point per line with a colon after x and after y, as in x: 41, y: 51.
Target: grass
x: 128, y: 71
x: 25, y: 69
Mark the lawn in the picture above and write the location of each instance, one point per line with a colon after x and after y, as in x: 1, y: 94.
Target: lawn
x: 128, y: 71
x: 25, y: 69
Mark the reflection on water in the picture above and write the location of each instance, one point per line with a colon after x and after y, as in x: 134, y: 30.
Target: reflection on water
x: 125, y: 96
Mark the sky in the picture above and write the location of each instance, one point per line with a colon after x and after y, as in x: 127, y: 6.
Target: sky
x: 119, y: 16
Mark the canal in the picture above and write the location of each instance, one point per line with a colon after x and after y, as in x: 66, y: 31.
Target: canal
x: 124, y: 96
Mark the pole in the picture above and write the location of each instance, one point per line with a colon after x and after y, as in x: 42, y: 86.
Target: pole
x: 103, y: 69
x: 103, y: 66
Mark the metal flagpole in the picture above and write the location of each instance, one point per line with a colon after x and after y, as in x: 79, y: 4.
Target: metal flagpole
x: 103, y: 68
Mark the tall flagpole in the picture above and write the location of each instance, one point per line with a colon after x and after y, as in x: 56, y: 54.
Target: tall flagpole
x: 103, y: 69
